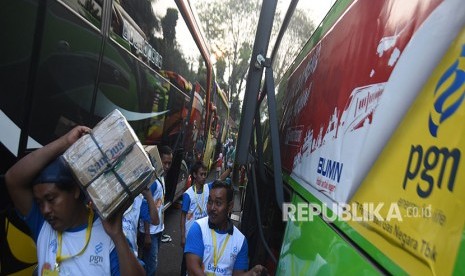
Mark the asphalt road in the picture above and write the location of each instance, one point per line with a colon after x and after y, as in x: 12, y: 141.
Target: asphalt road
x: 170, y: 254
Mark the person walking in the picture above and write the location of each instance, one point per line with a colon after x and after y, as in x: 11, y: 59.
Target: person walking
x: 219, y: 165
x: 132, y: 214
x: 194, y: 202
x: 150, y: 233
x: 214, y: 246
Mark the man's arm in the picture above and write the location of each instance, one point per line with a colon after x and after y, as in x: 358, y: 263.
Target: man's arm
x: 128, y: 263
x: 194, y: 250
x: 255, y: 271
x: 152, y: 208
x: 186, y: 202
x: 183, y: 228
x: 242, y: 263
x: 194, y: 265
x: 19, y: 177
x: 147, y: 238
x: 225, y: 174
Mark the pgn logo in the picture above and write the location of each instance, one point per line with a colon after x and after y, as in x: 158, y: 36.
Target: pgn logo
x: 98, y: 248
x: 449, y: 93
x: 53, y: 245
x: 430, y: 167
x: 97, y: 259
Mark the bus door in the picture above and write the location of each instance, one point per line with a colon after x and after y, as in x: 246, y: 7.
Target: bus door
x: 18, y: 19
x: 48, y: 69
x: 67, y: 71
x: 128, y: 80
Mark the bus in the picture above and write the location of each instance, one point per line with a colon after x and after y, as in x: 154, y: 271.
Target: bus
x: 71, y: 62
x: 218, y: 126
x: 365, y: 148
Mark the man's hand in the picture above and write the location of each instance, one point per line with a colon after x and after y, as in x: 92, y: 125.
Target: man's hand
x: 147, y: 194
x: 128, y: 264
x: 76, y: 133
x: 258, y: 270
x: 147, y: 241
x: 114, y: 225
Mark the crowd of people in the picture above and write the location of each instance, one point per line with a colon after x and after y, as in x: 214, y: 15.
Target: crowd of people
x: 72, y: 239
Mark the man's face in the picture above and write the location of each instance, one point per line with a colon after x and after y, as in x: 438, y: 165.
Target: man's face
x: 166, y: 160
x: 200, y: 176
x: 218, y: 206
x: 57, y: 206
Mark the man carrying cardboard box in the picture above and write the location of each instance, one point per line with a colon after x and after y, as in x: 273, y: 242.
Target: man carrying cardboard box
x: 151, y: 234
x: 70, y: 239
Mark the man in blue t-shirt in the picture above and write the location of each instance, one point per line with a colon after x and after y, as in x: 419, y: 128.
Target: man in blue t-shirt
x: 194, y: 202
x: 151, y: 234
x: 70, y: 238
x: 214, y: 245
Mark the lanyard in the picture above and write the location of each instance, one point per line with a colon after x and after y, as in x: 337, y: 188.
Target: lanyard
x: 217, y: 257
x: 162, y: 184
x: 59, y: 258
x: 201, y: 199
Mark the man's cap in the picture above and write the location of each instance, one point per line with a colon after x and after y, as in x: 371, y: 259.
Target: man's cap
x: 55, y: 172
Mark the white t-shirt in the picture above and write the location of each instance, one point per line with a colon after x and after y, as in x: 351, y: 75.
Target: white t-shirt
x: 95, y: 260
x: 195, y: 205
x: 131, y: 221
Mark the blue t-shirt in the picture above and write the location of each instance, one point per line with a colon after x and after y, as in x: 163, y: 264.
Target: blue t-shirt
x: 158, y: 192
x: 144, y: 208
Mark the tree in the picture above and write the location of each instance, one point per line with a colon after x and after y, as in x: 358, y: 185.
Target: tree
x: 142, y: 13
x: 168, y: 24
x: 173, y: 59
x: 220, y: 71
x: 230, y: 29
x: 297, y: 33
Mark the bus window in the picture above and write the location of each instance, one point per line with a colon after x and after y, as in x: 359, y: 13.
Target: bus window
x: 91, y: 10
x: 75, y: 63
x: 67, y: 69
x: 131, y: 27
x: 302, y: 24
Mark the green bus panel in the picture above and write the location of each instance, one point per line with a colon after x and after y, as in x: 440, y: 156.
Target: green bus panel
x: 314, y: 248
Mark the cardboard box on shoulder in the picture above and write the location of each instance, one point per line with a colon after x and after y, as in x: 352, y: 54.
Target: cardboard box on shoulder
x: 110, y: 164
x: 154, y: 156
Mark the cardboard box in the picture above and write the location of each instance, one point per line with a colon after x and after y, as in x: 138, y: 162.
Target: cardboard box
x: 154, y: 156
x: 110, y: 164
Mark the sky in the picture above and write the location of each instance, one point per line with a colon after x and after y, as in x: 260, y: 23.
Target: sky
x: 317, y: 9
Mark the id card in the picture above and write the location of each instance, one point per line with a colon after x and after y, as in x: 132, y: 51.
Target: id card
x: 49, y: 272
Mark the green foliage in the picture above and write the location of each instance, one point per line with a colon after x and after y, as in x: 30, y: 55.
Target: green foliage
x: 298, y: 31
x: 230, y: 28
x: 173, y: 59
x: 220, y: 71
x: 142, y: 13
x: 201, y: 72
x: 168, y: 24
